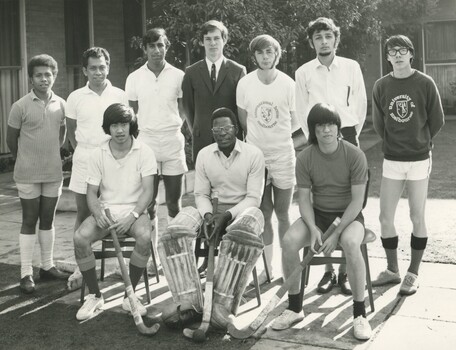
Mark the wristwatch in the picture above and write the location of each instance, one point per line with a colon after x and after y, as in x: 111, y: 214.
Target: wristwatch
x: 135, y: 214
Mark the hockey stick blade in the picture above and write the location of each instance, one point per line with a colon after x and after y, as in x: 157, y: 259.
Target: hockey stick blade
x: 259, y: 320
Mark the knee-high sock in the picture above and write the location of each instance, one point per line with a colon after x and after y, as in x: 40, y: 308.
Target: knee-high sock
x: 46, y: 239
x: 418, y: 245
x: 26, y: 246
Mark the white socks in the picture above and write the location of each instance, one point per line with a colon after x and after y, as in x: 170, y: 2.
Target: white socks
x: 26, y: 247
x: 46, y: 239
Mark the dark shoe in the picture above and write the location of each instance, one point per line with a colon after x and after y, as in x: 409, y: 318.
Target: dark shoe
x: 53, y: 274
x: 27, y: 284
x: 327, y: 282
x: 342, y: 280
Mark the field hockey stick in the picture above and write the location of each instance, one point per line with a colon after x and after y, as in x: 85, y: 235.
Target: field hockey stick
x: 128, y: 287
x: 253, y: 327
x: 199, y: 334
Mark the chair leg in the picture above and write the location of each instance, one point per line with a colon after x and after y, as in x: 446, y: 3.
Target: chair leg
x: 257, y: 286
x: 146, y: 284
x: 266, y: 269
x: 103, y: 248
x: 83, y: 285
x: 155, y: 262
x: 304, y: 278
x: 368, y: 276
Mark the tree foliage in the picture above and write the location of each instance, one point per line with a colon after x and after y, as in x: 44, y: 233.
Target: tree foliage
x: 361, y: 22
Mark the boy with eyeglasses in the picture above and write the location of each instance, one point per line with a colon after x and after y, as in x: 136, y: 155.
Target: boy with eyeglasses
x: 407, y: 114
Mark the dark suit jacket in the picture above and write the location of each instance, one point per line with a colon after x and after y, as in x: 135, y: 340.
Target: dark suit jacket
x: 200, y: 101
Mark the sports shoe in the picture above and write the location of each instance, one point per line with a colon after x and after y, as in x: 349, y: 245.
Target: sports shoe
x: 387, y: 277
x: 53, y: 274
x: 361, y: 328
x: 342, y: 281
x: 91, y: 304
x: 409, y: 285
x: 286, y: 319
x: 327, y: 282
x: 27, y: 284
x: 140, y: 307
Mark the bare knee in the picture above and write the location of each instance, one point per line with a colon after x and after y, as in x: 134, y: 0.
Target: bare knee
x: 82, y: 244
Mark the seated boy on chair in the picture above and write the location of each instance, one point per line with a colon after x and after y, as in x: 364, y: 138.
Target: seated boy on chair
x: 122, y: 170
x: 331, y: 177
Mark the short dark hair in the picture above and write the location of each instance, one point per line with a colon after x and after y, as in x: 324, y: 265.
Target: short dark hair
x: 120, y: 113
x: 154, y: 34
x: 263, y: 41
x: 322, y: 113
x: 95, y: 52
x: 322, y: 23
x: 224, y: 112
x: 42, y: 60
x: 212, y: 25
x: 398, y: 40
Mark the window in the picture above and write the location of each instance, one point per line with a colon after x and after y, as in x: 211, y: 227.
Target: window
x: 10, y: 63
x: 440, y: 42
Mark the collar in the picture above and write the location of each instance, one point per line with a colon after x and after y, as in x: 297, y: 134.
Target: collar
x: 166, y: 67
x: 34, y: 97
x: 105, y: 146
x: 88, y: 90
x: 335, y: 63
x: 217, y: 63
x: 237, y: 147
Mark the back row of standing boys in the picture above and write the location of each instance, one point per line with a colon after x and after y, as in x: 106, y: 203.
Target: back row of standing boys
x: 407, y: 114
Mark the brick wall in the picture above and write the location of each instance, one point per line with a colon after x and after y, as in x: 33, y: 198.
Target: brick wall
x: 46, y: 34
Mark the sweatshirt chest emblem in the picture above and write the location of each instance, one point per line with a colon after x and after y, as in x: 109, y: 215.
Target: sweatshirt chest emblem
x: 401, y: 108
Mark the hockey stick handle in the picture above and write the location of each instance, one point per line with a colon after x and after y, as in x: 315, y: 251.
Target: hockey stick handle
x: 128, y: 287
x: 252, y: 328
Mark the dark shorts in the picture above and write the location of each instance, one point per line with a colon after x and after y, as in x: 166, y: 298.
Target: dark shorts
x: 324, y: 219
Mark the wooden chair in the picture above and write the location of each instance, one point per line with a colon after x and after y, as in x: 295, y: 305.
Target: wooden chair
x: 202, y: 251
x: 108, y: 251
x: 369, y: 236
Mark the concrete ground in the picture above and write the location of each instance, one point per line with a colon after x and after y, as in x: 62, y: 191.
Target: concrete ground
x: 423, y: 321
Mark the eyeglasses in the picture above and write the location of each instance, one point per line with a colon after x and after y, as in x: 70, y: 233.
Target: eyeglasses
x: 402, y: 51
x: 226, y: 128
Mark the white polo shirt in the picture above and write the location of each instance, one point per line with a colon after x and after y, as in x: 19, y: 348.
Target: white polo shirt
x: 120, y: 179
x: 340, y: 85
x: 157, y: 98
x: 87, y: 108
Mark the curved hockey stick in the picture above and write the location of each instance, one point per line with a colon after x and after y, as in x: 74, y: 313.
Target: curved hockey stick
x: 142, y: 328
x: 253, y: 327
x: 199, y: 335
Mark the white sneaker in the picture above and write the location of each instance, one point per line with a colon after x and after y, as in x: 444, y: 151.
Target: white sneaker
x: 286, y: 319
x: 140, y: 307
x: 91, y: 304
x: 409, y: 285
x: 362, y: 328
x: 387, y: 277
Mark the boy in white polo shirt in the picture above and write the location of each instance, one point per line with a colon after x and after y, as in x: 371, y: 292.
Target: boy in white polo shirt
x: 36, y: 130
x: 154, y: 92
x: 84, y: 113
x: 122, y: 170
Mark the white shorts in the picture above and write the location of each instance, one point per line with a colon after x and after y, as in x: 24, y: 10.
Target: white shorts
x: 281, y: 170
x: 169, y: 151
x: 418, y: 170
x: 45, y: 189
x: 80, y: 160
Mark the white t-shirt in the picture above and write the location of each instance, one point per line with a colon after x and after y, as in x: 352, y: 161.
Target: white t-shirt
x: 269, y: 121
x: 157, y: 98
x: 87, y: 108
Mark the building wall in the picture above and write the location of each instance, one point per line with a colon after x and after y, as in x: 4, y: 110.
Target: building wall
x: 45, y: 33
x: 109, y: 33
